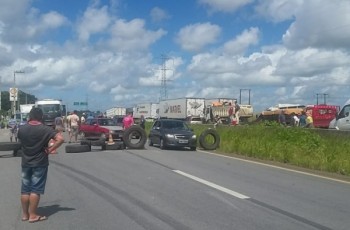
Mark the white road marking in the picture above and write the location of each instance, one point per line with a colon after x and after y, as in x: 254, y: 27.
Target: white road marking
x: 277, y: 167
x: 210, y: 184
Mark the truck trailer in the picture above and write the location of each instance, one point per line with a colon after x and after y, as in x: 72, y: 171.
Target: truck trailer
x: 116, y: 112
x: 148, y: 110
x: 181, y: 108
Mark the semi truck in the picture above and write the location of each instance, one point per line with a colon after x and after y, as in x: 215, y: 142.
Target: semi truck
x: 182, y: 108
x: 148, y: 110
x: 116, y: 112
x: 51, y: 108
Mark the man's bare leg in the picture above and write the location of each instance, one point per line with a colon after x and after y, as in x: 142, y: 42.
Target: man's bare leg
x: 33, y: 205
x: 25, y: 206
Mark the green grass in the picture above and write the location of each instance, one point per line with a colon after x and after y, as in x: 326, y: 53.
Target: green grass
x: 313, y: 149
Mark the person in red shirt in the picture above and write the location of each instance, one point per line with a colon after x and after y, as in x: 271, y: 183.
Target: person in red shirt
x: 128, y: 121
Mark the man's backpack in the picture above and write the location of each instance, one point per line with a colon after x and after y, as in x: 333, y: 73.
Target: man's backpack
x: 237, y: 107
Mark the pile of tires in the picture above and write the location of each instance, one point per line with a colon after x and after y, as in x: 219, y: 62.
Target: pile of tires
x: 128, y: 137
x: 10, y: 146
x: 213, y: 136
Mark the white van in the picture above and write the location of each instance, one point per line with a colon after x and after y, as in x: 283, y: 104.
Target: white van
x: 342, y: 121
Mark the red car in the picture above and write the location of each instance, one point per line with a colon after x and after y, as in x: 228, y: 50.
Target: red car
x: 97, y: 128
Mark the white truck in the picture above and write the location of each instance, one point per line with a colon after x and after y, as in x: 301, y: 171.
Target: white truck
x: 148, y: 110
x: 24, y: 111
x: 220, y: 107
x: 342, y: 120
x: 182, y: 108
x: 51, y: 108
x: 116, y: 111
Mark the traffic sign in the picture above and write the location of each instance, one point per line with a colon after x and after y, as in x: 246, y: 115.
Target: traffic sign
x: 80, y: 103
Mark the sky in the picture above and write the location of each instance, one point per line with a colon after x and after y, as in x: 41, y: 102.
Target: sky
x: 112, y: 53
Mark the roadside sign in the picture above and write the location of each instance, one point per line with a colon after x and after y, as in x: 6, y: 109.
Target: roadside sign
x: 77, y: 103
x: 13, y: 94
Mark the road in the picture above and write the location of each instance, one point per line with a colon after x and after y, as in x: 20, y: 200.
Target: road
x: 173, y: 189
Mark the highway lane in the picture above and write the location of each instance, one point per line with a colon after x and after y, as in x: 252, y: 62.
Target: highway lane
x: 170, y: 189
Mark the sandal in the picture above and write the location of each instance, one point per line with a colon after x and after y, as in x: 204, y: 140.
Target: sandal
x: 39, y: 218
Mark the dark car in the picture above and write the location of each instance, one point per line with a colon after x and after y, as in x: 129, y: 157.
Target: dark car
x: 172, y: 133
x: 97, y: 128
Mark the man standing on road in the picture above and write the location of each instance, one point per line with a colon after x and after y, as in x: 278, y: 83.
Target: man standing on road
x: 74, y: 126
x: 34, y: 137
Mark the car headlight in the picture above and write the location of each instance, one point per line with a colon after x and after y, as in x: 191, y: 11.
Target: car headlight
x: 169, y: 135
x: 194, y: 136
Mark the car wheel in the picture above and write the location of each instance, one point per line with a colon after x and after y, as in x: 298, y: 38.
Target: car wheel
x: 209, y: 139
x: 150, y: 143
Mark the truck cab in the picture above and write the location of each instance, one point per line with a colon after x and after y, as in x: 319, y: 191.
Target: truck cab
x: 342, y: 121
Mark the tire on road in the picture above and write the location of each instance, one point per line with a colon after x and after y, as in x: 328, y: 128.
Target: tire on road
x: 78, y: 148
x: 9, y: 146
x: 203, y: 139
x: 115, y: 146
x: 135, y: 130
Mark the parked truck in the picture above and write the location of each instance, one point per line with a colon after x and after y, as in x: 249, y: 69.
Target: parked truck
x: 51, y: 108
x: 116, y: 112
x: 148, y: 110
x: 182, y: 108
x: 24, y: 110
x: 220, y: 107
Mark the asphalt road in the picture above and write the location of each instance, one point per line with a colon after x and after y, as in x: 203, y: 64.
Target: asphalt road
x: 173, y: 189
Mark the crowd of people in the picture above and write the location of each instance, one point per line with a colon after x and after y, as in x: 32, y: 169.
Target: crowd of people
x: 297, y: 120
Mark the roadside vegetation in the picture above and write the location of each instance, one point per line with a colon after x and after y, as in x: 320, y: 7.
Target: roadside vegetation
x: 317, y: 149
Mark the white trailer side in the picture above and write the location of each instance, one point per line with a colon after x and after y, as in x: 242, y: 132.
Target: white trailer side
x: 181, y: 108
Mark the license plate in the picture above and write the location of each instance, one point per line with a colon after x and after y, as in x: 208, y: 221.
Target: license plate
x: 183, y: 141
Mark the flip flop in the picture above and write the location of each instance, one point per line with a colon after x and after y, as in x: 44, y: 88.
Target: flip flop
x: 39, y: 218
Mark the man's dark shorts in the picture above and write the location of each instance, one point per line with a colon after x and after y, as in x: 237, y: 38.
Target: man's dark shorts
x: 34, y: 180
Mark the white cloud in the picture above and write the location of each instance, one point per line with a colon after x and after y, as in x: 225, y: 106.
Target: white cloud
x: 94, y: 21
x: 279, y: 10
x: 242, y: 41
x: 132, y: 35
x: 158, y: 14
x: 196, y: 36
x: 225, y: 5
x: 321, y: 24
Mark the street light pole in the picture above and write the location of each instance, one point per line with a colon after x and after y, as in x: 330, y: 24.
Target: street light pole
x: 15, y: 99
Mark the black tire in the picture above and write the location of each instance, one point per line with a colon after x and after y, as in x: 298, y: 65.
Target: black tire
x: 10, y: 146
x: 209, y: 146
x: 193, y: 148
x: 135, y: 130
x: 85, y: 142
x: 115, y: 146
x: 77, y: 148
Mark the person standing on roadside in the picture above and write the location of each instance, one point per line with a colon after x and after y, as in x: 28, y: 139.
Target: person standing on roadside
x: 231, y: 112
x: 282, y: 118
x: 59, y: 125
x: 142, y: 122
x: 13, y: 126
x: 128, y: 121
x: 74, y: 126
x: 34, y: 137
x: 237, y: 108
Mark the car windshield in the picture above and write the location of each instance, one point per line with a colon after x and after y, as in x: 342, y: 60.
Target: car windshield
x: 175, y: 125
x: 106, y: 122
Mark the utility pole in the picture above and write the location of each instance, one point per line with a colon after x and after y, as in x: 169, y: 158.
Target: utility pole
x: 15, y: 91
x: 163, y: 87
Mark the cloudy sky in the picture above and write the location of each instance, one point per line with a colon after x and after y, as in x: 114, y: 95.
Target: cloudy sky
x: 116, y: 52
